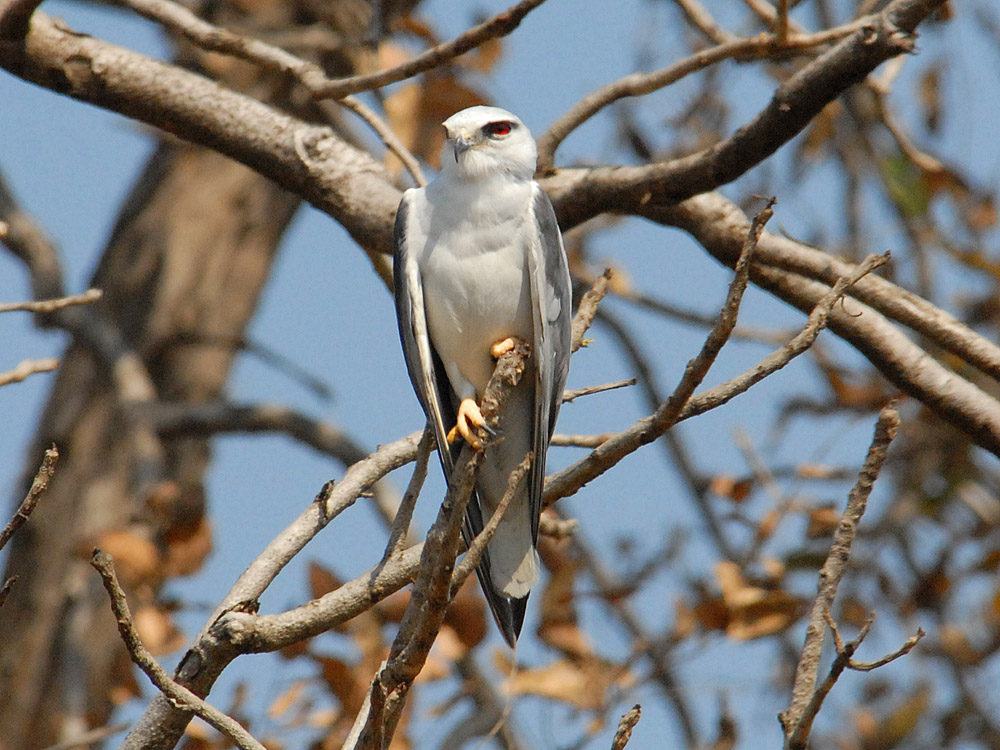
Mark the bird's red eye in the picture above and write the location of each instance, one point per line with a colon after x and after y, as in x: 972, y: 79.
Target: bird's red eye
x: 496, y: 129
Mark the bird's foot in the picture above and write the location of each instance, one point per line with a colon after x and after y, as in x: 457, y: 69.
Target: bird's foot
x: 469, y: 414
x: 502, y: 347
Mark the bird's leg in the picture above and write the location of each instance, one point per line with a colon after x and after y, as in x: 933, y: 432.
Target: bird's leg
x: 468, y: 412
x: 502, y: 347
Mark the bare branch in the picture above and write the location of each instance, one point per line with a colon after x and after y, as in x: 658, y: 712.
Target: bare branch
x: 792, y: 272
x: 625, y: 726
x: 27, y: 368
x: 650, y: 428
x: 570, y: 396
x: 580, y: 441
x: 501, y: 24
x: 723, y: 392
x: 579, y: 194
x: 639, y: 84
x: 587, y: 308
x: 699, y: 17
x: 907, y: 647
x: 15, y: 19
x: 231, y: 630
x: 38, y: 487
x: 399, y: 532
x: 433, y: 588
x: 179, y: 695
x: 51, y: 305
x: 796, y: 720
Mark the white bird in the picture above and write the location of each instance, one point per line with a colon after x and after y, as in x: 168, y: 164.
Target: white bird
x: 478, y: 261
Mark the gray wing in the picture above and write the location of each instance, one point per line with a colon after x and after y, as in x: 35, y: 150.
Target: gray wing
x: 552, y: 313
x: 430, y: 382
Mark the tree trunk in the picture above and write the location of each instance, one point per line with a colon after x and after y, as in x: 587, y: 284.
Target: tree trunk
x: 181, y: 276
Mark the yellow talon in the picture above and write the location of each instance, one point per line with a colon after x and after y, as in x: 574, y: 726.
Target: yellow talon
x: 468, y: 412
x: 502, y: 347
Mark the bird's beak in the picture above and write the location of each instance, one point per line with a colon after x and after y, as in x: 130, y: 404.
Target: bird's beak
x: 462, y: 143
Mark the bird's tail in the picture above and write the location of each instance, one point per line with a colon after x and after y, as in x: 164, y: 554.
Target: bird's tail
x: 507, y: 611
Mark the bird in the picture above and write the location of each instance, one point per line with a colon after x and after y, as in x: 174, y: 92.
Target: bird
x: 479, y: 262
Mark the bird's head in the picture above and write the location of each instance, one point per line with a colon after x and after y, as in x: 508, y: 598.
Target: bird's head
x: 480, y: 141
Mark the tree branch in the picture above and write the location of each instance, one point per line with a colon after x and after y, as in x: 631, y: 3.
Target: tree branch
x: 579, y: 194
x: 795, y: 720
x: 180, y: 696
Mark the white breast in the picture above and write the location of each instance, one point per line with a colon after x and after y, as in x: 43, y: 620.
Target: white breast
x: 474, y: 271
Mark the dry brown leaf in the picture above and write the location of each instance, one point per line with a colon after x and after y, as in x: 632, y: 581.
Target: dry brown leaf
x: 823, y: 521
x: 391, y: 55
x: 346, y: 683
x: 136, y: 558
x: 821, y: 130
x: 768, y: 524
x: 930, y: 96
x: 467, y: 615
x: 581, y: 684
x: 754, y: 611
x: 122, y: 679
x: 736, y: 490
x: 157, y: 630
x: 853, y: 612
x: 415, y: 113
x: 955, y: 643
x: 322, y: 580
x: 484, y: 57
x: 393, y: 607
x: 895, y: 727
x: 187, y: 546
x: 685, y: 619
x: 810, y: 470
x: 712, y: 613
x: 280, y: 706
x: 446, y: 649
x: 300, y: 648
x: 981, y: 214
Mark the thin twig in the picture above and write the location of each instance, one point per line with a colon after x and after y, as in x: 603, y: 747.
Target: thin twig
x: 178, y: 694
x: 432, y: 590
x: 666, y: 415
x: 639, y: 84
x: 747, y: 333
x: 580, y: 441
x: 389, y: 138
x: 722, y: 393
x: 701, y: 19
x: 207, y: 36
x: 796, y: 720
x: 570, y: 396
x: 501, y: 24
x: 781, y: 26
x: 400, y: 528
x: 625, y: 727
x: 27, y: 368
x: 587, y: 309
x: 51, y: 305
x: 35, y: 492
